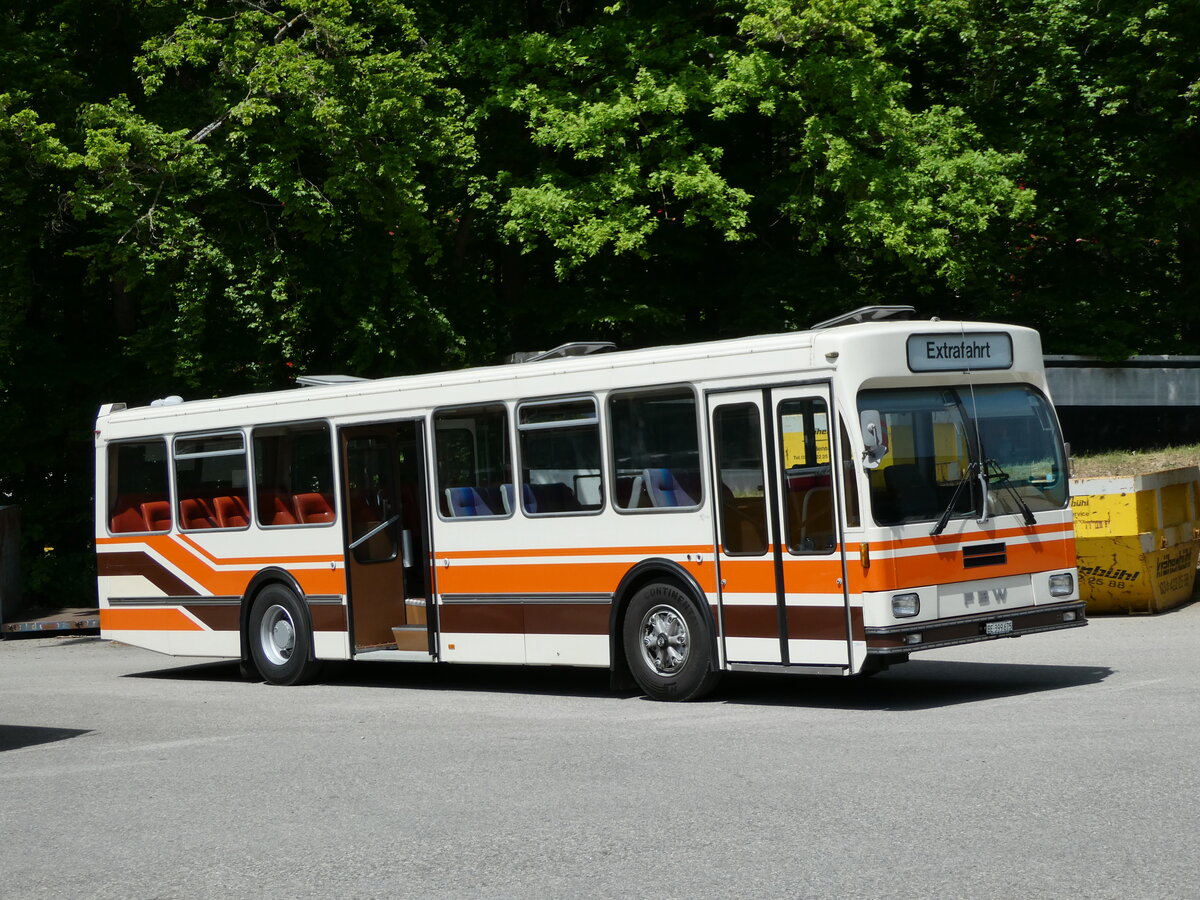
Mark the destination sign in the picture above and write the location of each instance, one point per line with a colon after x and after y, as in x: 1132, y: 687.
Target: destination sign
x: 960, y: 352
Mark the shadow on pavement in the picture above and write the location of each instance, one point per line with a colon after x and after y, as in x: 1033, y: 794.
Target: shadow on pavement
x: 14, y: 737
x: 913, y: 686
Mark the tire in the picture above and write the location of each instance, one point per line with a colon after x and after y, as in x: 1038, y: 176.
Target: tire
x: 668, y: 644
x: 280, y: 637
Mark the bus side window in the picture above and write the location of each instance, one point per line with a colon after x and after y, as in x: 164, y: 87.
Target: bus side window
x: 656, y: 449
x: 211, y: 482
x: 474, y: 472
x: 137, y: 487
x: 293, y: 475
x: 807, y: 475
x: 741, y: 496
x: 560, y: 456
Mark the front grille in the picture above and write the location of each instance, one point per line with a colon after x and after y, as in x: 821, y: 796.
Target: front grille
x: 985, y: 555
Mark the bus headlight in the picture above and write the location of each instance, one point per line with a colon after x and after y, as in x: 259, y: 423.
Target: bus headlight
x: 905, y: 605
x: 1062, y: 585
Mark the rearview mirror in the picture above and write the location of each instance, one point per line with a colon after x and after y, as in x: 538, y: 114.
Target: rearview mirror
x: 875, y: 445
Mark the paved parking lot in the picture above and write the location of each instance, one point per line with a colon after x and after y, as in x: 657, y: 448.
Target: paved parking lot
x: 1060, y: 765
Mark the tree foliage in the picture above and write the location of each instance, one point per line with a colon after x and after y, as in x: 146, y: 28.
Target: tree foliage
x: 208, y: 196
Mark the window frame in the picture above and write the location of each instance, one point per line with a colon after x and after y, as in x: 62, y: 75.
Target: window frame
x: 435, y: 472
x: 112, y: 474
x: 175, y: 456
x: 334, y: 472
x: 702, y: 462
x: 519, y: 457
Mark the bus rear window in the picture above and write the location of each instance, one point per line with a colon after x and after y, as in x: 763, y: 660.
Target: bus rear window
x: 137, y: 487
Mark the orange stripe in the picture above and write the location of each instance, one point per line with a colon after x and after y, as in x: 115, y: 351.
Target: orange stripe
x: 942, y: 540
x: 155, y: 539
x: 945, y: 567
x: 146, y: 620
x: 231, y: 584
x: 568, y: 578
x: 258, y: 560
x: 574, y: 551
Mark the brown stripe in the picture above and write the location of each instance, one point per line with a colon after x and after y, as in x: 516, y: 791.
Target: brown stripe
x: 327, y: 616
x: 566, y: 618
x: 516, y: 617
x: 223, y: 617
x: 485, y: 618
x: 143, y: 564
x: 752, y: 621
x: 818, y: 623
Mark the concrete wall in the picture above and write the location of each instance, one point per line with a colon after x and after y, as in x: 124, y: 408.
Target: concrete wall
x: 1141, y: 402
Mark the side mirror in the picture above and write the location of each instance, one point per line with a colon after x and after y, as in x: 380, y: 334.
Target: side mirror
x: 875, y: 445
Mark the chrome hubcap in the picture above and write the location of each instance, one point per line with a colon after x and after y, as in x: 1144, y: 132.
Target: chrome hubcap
x: 665, y: 640
x: 277, y: 635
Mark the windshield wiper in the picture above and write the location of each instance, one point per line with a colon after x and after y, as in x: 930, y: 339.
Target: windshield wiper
x: 1000, y: 477
x: 940, y: 525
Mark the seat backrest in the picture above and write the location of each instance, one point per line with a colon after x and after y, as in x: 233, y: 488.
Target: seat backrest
x: 273, y: 509
x: 231, y: 512
x: 126, y: 517
x: 664, y: 489
x: 194, y: 512
x: 313, y: 508
x: 465, y: 502
x: 157, y: 514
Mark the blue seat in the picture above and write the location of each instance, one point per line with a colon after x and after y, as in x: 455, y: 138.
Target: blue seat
x: 465, y: 502
x: 664, y: 489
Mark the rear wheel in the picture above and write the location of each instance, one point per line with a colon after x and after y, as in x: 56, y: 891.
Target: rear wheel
x: 280, y: 637
x: 668, y: 644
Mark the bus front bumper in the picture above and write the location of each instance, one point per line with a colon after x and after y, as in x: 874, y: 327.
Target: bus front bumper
x: 970, y: 629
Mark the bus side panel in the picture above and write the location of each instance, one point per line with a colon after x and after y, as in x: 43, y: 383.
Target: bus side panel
x: 540, y: 590
x: 182, y: 593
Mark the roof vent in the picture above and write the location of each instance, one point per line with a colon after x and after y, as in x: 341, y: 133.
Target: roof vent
x: 868, y: 314
x: 575, y: 348
x: 323, y: 380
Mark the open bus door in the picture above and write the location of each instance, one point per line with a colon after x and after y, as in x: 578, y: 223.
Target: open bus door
x: 783, y: 596
x: 387, y: 538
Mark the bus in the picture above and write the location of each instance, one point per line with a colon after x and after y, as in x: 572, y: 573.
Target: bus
x: 826, y: 501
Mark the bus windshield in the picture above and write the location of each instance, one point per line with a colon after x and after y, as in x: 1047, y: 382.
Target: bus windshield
x: 941, y: 445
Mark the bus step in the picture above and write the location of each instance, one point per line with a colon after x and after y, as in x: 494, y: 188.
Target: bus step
x: 411, y: 637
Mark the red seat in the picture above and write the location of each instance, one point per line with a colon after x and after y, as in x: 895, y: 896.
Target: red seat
x: 127, y: 517
x: 313, y: 508
x: 157, y: 514
x: 273, y: 509
x: 194, y: 513
x: 231, y: 512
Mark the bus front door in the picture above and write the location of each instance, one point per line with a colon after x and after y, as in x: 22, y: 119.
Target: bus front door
x: 782, y: 592
x: 387, y: 547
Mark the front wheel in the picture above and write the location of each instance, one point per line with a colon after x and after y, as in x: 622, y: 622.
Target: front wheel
x: 668, y: 645
x: 280, y: 637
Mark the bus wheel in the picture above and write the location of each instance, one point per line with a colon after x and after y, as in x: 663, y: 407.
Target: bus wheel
x: 667, y: 644
x: 280, y: 637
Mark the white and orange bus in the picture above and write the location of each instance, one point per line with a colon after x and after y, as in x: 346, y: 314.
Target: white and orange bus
x: 825, y: 501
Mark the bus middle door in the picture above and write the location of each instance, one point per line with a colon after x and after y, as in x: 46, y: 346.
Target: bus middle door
x: 386, y: 537
x: 783, y: 601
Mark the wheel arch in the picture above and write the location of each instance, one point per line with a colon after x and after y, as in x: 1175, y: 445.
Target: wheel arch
x: 645, y: 572
x: 272, y: 575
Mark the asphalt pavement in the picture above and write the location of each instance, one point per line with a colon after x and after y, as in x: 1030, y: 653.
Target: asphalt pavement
x: 1057, y: 765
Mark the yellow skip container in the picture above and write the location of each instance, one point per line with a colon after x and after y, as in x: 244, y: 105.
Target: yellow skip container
x: 1136, y: 540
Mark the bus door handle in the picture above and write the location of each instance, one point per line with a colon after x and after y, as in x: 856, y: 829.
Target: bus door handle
x: 374, y: 531
x: 406, y: 547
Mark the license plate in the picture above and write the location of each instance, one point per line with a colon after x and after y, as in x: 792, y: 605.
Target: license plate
x: 1004, y: 627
